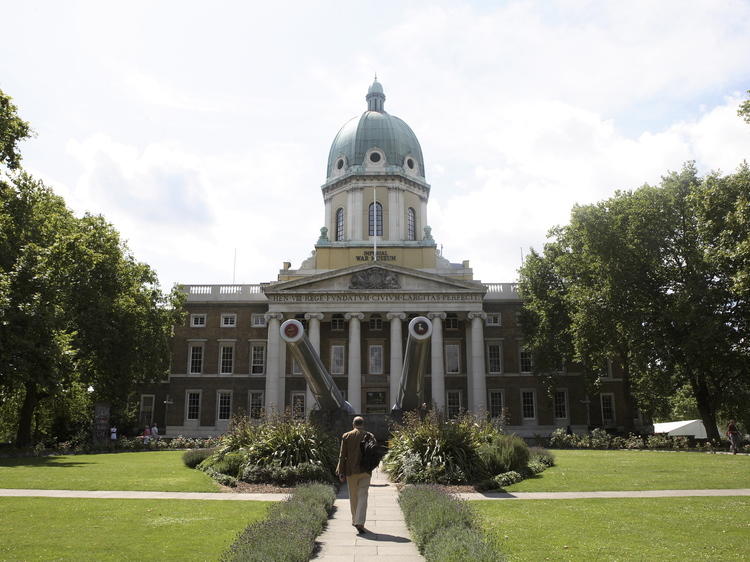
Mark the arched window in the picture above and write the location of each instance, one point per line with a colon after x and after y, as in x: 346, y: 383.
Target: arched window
x: 411, y: 224
x: 376, y: 219
x: 340, y: 224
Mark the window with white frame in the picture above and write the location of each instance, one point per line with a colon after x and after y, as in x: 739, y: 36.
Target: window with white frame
x: 453, y: 403
x: 411, y: 224
x: 146, y: 415
x: 496, y: 404
x: 195, y: 358
x: 226, y: 358
x: 528, y: 404
x: 337, y: 359
x: 228, y: 320
x: 561, y: 404
x: 223, y: 405
x: 375, y: 219
x: 451, y: 322
x: 375, y: 359
x: 298, y: 404
x: 494, y: 357
x: 258, y: 320
x: 526, y: 361
x: 193, y: 405
x: 296, y: 368
x: 337, y: 323
x: 494, y: 319
x: 255, y: 404
x: 608, y: 408
x: 376, y: 322
x: 198, y: 320
x: 339, y: 224
x: 257, y: 358
x: 452, y: 358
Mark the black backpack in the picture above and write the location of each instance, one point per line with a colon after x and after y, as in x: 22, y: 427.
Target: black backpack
x: 372, y: 453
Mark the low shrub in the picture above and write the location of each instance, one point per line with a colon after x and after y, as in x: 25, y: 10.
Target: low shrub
x: 286, y: 475
x: 503, y: 453
x: 434, y: 516
x: 535, y: 467
x: 288, y: 533
x: 230, y: 463
x: 220, y: 477
x: 508, y: 478
x: 542, y: 455
x: 193, y: 457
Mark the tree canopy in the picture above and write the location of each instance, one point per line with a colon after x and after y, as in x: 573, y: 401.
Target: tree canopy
x: 77, y: 310
x: 656, y: 280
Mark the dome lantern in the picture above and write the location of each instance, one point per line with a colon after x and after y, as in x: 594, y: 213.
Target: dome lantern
x: 375, y: 97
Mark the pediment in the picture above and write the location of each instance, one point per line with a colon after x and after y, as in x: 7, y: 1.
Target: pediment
x: 375, y: 278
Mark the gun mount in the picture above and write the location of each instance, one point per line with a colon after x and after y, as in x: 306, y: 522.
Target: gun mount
x: 411, y: 389
x: 321, y: 383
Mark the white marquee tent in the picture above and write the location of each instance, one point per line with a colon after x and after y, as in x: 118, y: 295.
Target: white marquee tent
x: 687, y: 427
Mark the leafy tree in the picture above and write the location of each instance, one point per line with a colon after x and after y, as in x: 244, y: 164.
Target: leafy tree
x: 77, y: 311
x: 653, y: 280
x: 12, y: 130
x: 744, y: 109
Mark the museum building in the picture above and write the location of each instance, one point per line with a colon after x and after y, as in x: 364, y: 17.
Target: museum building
x: 374, y: 267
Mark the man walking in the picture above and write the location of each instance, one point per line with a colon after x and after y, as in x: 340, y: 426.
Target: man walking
x: 349, y: 469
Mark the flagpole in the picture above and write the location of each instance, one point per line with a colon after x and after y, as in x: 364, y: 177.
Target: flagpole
x: 375, y: 230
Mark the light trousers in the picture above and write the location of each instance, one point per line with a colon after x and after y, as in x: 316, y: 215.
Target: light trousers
x: 359, y: 485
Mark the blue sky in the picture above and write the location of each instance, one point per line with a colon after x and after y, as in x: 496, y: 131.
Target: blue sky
x: 196, y: 128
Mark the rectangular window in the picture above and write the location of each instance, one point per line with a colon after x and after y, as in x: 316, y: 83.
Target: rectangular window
x: 337, y: 323
x: 223, y: 405
x: 228, y: 320
x: 608, y: 409
x: 494, y: 319
x: 376, y: 323
x: 255, y: 404
x: 195, y: 360
x: 526, y: 360
x: 147, y: 410
x: 453, y: 403
x: 198, y: 320
x: 257, y: 358
x: 496, y: 404
x: 226, y: 358
x: 376, y: 360
x: 452, y: 358
x: 561, y: 404
x: 451, y: 322
x: 192, y: 405
x: 258, y: 320
x: 337, y: 359
x: 494, y: 358
x: 298, y: 404
x: 528, y: 404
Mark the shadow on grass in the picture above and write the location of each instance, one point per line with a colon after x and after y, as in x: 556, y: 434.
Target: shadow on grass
x: 51, y: 462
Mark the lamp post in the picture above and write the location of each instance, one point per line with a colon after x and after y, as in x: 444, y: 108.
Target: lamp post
x: 167, y: 402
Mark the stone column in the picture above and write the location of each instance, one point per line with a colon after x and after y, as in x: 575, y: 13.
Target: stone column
x: 394, y: 218
x: 357, y: 215
x: 397, y: 352
x: 437, y: 360
x: 313, y: 324
x: 274, y: 367
x: 354, y: 392
x: 478, y: 381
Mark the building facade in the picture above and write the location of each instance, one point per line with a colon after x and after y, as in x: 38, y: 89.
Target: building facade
x: 374, y: 267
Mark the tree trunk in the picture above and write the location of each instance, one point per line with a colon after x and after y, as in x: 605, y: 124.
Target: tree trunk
x: 26, y: 415
x: 705, y: 408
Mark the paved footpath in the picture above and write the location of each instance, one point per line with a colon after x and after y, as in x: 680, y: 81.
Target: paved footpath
x: 126, y: 495
x: 387, y: 537
x: 612, y: 494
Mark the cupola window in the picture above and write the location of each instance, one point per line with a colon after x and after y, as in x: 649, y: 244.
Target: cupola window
x: 340, y: 164
x: 410, y: 163
x: 411, y: 224
x: 375, y: 157
x: 376, y: 219
x: 340, y: 224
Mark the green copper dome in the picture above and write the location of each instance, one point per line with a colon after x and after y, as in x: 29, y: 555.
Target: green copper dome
x: 375, y: 143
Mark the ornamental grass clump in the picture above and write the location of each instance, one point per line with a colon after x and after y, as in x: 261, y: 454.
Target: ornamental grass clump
x: 193, y: 457
x: 443, y: 527
x: 433, y: 449
x: 288, y: 533
x: 503, y: 453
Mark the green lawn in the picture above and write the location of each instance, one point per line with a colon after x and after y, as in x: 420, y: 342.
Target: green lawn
x: 109, y: 529
x: 156, y: 470
x: 620, y: 529
x: 583, y: 471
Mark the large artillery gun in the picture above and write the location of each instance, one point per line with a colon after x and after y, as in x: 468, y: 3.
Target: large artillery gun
x: 411, y: 387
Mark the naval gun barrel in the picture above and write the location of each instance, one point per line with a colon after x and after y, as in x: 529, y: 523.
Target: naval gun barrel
x: 411, y: 389
x: 321, y: 383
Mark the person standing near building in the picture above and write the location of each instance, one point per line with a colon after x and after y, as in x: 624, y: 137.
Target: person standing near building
x: 349, y: 470
x: 734, y: 437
